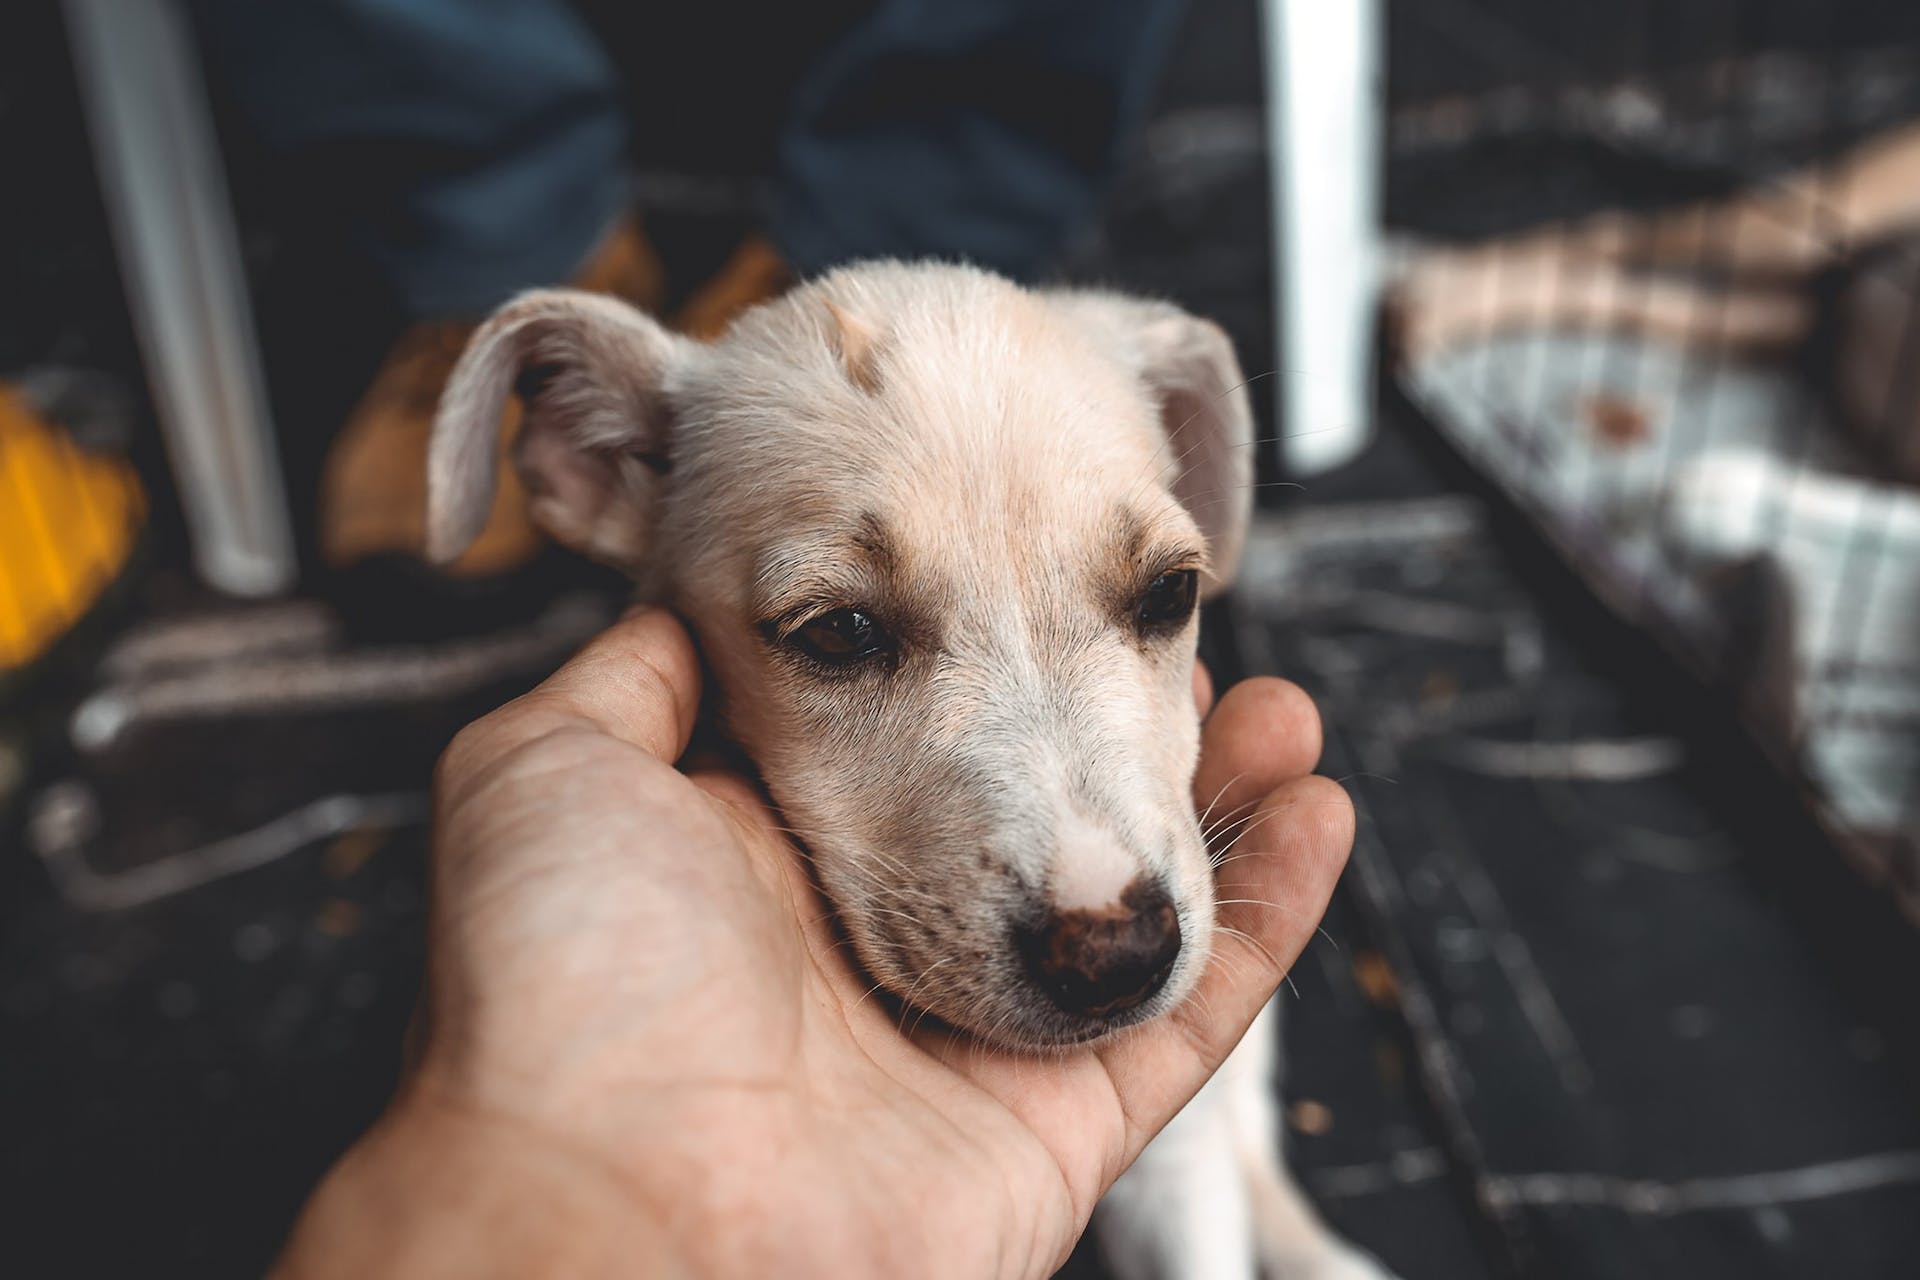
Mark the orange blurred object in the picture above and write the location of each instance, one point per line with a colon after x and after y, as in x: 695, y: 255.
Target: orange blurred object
x: 68, y: 522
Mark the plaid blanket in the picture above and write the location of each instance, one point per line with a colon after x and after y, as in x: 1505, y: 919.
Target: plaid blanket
x: 1714, y: 503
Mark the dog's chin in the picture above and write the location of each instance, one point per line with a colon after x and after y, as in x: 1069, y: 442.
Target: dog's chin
x: 1002, y: 1009
x: 1024, y: 1020
x: 1032, y: 1024
x: 1054, y: 1032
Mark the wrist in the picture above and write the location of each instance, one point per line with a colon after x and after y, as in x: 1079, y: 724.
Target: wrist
x: 434, y: 1190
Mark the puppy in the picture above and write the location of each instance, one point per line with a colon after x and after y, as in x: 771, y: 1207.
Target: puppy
x: 942, y: 540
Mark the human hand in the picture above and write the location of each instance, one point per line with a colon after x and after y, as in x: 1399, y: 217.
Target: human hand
x: 645, y: 1051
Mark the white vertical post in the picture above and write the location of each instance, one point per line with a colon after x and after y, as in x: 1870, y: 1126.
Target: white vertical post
x: 1325, y: 131
x: 166, y: 198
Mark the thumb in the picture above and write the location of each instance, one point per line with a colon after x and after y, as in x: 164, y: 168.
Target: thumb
x: 638, y: 681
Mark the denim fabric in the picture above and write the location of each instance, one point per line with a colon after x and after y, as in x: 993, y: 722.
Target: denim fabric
x: 983, y: 131
x: 475, y: 147
x: 472, y: 148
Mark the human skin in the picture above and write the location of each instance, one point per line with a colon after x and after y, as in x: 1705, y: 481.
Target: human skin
x: 644, y: 1051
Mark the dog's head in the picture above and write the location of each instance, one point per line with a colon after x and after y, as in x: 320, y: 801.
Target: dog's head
x: 941, y: 539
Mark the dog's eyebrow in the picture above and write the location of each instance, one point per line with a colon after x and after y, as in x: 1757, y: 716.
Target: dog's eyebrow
x: 1132, y: 530
x: 1143, y: 539
x: 848, y: 560
x: 871, y: 536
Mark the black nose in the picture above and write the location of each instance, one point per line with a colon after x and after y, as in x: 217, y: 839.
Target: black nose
x: 1105, y: 961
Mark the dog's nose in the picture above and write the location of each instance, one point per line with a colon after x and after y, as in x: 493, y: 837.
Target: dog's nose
x: 1107, y: 960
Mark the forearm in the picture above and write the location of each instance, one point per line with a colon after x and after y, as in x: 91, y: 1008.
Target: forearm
x: 429, y: 1193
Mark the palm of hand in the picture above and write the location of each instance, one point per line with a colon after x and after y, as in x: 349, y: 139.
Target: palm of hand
x: 631, y: 963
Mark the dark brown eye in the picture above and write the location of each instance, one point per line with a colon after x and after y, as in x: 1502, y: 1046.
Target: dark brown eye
x: 1167, y: 602
x: 841, y: 637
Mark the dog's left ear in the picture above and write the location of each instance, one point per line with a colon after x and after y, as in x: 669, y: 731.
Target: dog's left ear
x: 593, y: 374
x: 1189, y: 366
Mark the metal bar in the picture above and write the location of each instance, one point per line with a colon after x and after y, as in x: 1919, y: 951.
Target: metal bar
x: 166, y: 197
x: 1325, y: 127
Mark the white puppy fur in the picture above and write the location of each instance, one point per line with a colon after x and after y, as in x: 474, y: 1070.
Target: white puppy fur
x: 937, y: 535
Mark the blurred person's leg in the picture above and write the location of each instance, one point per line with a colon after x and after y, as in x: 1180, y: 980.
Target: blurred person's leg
x: 986, y: 131
x: 470, y: 149
x: 474, y: 147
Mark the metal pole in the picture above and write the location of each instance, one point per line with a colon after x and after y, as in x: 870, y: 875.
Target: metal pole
x: 166, y: 198
x: 1325, y: 132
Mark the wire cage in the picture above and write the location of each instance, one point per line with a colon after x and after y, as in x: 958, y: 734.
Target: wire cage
x: 1656, y: 274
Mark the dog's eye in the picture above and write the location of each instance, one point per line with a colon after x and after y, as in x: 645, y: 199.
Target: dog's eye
x: 1168, y: 601
x: 841, y: 637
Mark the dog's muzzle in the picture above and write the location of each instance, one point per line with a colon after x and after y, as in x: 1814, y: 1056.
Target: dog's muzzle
x: 1102, y: 962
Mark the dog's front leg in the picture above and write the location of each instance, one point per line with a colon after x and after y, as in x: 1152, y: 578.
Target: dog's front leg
x: 1211, y: 1199
x: 1289, y: 1237
x: 1181, y: 1211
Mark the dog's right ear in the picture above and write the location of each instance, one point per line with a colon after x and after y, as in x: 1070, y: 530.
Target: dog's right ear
x: 1188, y: 365
x: 593, y: 443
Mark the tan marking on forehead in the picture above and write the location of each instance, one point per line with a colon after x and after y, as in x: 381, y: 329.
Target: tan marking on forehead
x: 858, y: 343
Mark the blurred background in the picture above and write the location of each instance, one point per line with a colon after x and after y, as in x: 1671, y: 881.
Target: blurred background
x: 1587, y: 344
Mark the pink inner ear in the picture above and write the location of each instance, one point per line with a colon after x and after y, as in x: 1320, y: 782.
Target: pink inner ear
x: 593, y: 371
x: 577, y: 493
x: 555, y: 470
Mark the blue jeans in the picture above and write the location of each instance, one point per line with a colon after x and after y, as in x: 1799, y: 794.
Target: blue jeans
x: 478, y: 147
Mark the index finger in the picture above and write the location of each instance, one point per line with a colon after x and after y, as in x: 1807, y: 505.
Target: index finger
x: 1263, y: 732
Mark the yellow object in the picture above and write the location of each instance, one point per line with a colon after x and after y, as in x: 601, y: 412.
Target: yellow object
x: 68, y: 520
